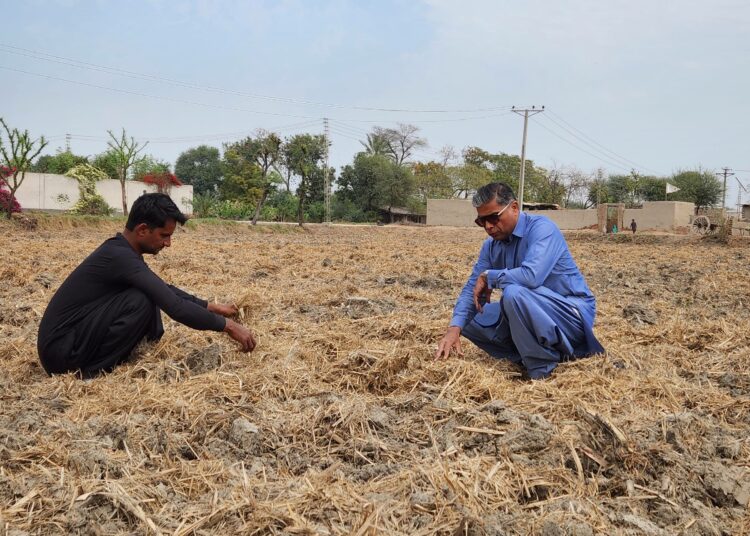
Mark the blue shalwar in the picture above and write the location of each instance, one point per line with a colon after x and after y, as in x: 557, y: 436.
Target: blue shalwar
x: 546, y: 312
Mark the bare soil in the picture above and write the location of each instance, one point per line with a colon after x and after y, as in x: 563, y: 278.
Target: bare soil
x: 341, y: 422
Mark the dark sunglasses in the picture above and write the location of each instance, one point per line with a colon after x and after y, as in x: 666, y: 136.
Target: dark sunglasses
x: 492, y: 218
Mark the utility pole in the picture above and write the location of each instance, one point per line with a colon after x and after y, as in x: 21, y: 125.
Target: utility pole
x: 326, y: 177
x: 525, y: 112
x: 726, y: 174
x: 67, y: 143
x: 739, y: 198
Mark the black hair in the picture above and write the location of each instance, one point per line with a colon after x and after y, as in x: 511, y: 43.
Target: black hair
x: 154, y: 210
x: 497, y: 191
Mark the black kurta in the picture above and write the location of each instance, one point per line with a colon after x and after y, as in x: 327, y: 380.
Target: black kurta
x: 107, y: 305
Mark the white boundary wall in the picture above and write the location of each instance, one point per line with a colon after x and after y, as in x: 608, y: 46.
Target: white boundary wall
x: 672, y: 216
x: 47, y: 191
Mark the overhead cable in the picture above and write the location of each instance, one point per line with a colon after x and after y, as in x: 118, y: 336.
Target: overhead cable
x: 12, y: 49
x: 598, y: 157
x: 595, y: 145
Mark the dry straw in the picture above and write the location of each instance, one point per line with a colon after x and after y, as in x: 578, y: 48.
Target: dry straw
x: 342, y: 423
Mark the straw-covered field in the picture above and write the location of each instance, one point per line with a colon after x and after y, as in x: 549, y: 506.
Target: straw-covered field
x: 342, y: 423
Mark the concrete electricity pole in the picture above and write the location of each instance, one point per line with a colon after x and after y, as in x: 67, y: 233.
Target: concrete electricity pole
x: 726, y: 174
x: 739, y: 198
x: 326, y: 177
x: 525, y: 112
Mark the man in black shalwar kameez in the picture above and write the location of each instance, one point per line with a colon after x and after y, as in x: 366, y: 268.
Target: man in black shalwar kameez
x: 112, y: 300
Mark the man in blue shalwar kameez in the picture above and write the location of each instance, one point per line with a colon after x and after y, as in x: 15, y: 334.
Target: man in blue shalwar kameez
x: 546, y: 312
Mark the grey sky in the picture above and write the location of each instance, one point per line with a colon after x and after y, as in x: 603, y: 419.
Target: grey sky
x: 661, y: 85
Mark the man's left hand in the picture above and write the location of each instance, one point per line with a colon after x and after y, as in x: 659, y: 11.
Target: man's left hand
x: 482, y: 292
x: 223, y: 309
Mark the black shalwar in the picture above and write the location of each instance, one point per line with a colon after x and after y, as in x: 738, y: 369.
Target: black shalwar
x: 106, y: 306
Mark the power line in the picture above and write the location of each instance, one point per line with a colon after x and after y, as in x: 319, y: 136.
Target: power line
x: 170, y: 99
x: 11, y: 49
x: 596, y: 146
x: 233, y: 108
x: 452, y: 120
x: 346, y: 127
x: 609, y: 162
x: 339, y: 133
x: 202, y: 137
x: 198, y: 137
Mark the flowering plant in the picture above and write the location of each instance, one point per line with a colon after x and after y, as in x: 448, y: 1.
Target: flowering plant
x: 6, y: 199
x: 163, y: 181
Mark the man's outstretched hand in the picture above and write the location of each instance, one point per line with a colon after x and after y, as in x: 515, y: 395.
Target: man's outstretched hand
x: 450, y: 342
x: 240, y: 334
x: 223, y: 309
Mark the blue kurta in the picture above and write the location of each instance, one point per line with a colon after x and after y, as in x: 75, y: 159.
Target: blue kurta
x: 547, y: 311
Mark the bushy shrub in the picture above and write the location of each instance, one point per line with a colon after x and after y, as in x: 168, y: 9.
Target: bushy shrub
x: 346, y: 210
x: 92, y: 206
x: 203, y: 204
x: 208, y: 205
x: 6, y: 199
x: 89, y: 201
x: 281, y: 206
x: 232, y: 210
x: 315, y: 212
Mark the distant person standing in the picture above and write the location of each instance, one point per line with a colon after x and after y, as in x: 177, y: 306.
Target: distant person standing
x: 633, y: 225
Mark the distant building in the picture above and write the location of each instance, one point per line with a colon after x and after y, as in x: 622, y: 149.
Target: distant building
x: 400, y: 215
x: 527, y: 205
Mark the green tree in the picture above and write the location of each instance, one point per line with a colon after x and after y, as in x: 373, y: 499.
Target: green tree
x: 149, y: 165
x: 597, y: 190
x: 699, y: 186
x: 468, y: 178
x: 200, y: 167
x: 58, y: 163
x: 397, y: 143
x: 432, y: 181
x: 374, y: 182
x: 633, y: 189
x: 395, y: 188
x: 18, y: 151
x: 507, y: 168
x: 107, y: 162
x: 303, y: 154
x: 376, y: 143
x: 626, y: 189
x: 124, y: 153
x: 242, y: 176
x: 653, y: 188
x: 265, y: 148
x: 552, y: 187
x: 571, y: 184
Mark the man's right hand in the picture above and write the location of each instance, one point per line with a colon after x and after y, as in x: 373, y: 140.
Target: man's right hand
x: 451, y: 341
x: 240, y: 334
